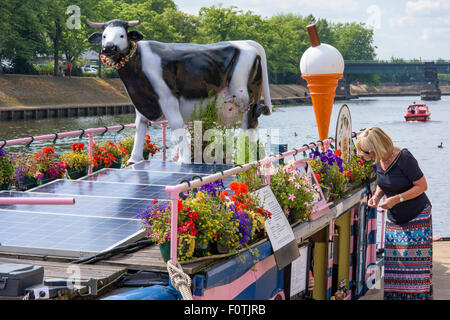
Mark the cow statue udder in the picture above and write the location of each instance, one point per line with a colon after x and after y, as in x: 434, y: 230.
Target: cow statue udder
x: 166, y: 80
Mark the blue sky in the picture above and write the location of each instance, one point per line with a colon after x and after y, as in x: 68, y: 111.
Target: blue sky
x: 406, y: 29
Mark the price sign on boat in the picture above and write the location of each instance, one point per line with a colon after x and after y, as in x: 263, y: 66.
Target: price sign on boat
x: 278, y: 229
x: 344, y: 131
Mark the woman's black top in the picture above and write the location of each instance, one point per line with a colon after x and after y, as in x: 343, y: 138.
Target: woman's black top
x: 398, y: 178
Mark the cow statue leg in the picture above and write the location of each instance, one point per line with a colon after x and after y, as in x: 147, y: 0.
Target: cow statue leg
x: 138, y: 147
x: 171, y: 108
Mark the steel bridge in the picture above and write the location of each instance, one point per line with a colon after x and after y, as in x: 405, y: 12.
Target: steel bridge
x: 429, y: 69
x: 380, y: 67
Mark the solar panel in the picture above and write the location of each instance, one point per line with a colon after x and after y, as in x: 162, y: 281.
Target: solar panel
x: 104, y: 214
x: 66, y: 235
x: 104, y: 189
x: 84, y: 205
x: 161, y: 166
x: 138, y: 177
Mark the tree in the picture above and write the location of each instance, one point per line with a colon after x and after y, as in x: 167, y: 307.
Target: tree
x: 354, y: 41
x: 22, y: 34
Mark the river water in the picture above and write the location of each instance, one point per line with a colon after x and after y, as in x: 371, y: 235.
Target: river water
x: 295, y: 125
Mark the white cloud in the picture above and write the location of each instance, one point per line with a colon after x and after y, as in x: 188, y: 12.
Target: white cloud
x: 436, y: 34
x: 424, y: 7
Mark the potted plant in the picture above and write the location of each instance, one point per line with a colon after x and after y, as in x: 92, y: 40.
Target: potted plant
x: 48, y: 166
x: 6, y: 171
x: 156, y: 221
x: 294, y: 192
x: 77, y: 161
x: 149, y: 148
x: 209, y: 221
x: 329, y: 169
x: 126, y: 146
x: 358, y: 170
x: 106, y: 155
x: 25, y: 172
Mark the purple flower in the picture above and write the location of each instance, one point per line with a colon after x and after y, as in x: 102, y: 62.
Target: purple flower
x: 245, y: 224
x: 213, y: 188
x: 2, y: 153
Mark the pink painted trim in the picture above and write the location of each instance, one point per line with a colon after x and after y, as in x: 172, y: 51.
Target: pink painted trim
x: 174, y: 230
x: 281, y: 293
x: 383, y: 221
x: 164, y: 125
x: 32, y: 201
x: 233, y: 289
x: 90, y: 150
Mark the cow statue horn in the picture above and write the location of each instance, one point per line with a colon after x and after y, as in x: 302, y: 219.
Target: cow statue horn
x: 134, y: 23
x: 95, y: 24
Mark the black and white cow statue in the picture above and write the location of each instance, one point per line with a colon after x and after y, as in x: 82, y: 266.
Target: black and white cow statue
x: 166, y: 80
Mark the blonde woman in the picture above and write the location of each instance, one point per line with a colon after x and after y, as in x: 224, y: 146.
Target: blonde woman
x: 408, y: 237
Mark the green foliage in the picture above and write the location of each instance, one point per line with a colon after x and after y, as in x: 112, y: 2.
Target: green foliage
x: 31, y: 27
x: 6, y: 168
x: 294, y: 192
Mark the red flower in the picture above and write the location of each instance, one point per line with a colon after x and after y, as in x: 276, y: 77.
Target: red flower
x: 318, y: 177
x: 223, y: 194
x: 48, y: 150
x: 337, y: 152
x: 154, y: 201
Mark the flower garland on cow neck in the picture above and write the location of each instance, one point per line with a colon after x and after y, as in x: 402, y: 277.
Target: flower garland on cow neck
x: 123, y: 61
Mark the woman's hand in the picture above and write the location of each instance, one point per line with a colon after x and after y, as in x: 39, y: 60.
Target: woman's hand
x: 390, y: 202
x: 373, y: 201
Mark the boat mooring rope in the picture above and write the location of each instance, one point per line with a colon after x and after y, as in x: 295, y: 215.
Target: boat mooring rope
x: 180, y: 280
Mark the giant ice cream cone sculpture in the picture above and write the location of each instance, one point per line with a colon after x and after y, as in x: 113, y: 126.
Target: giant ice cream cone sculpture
x: 321, y: 65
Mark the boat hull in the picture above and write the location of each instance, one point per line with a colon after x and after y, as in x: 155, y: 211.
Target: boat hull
x: 422, y: 118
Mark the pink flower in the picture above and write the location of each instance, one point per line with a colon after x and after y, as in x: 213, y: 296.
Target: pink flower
x: 297, y: 185
x: 292, y: 179
x: 291, y: 197
x: 40, y: 176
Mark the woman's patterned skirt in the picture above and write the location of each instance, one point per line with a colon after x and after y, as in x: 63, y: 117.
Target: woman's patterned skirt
x: 408, y: 259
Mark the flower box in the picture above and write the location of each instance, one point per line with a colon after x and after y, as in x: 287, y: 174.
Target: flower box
x: 26, y: 183
x: 46, y: 179
x: 5, y: 186
x: 76, y: 174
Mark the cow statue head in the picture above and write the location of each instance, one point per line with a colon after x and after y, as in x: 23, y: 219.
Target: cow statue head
x: 115, y: 38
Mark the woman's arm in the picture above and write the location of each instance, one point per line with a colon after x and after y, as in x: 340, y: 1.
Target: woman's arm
x: 376, y: 197
x: 420, y: 186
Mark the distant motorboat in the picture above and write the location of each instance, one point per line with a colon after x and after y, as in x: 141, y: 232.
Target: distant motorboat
x: 417, y: 112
